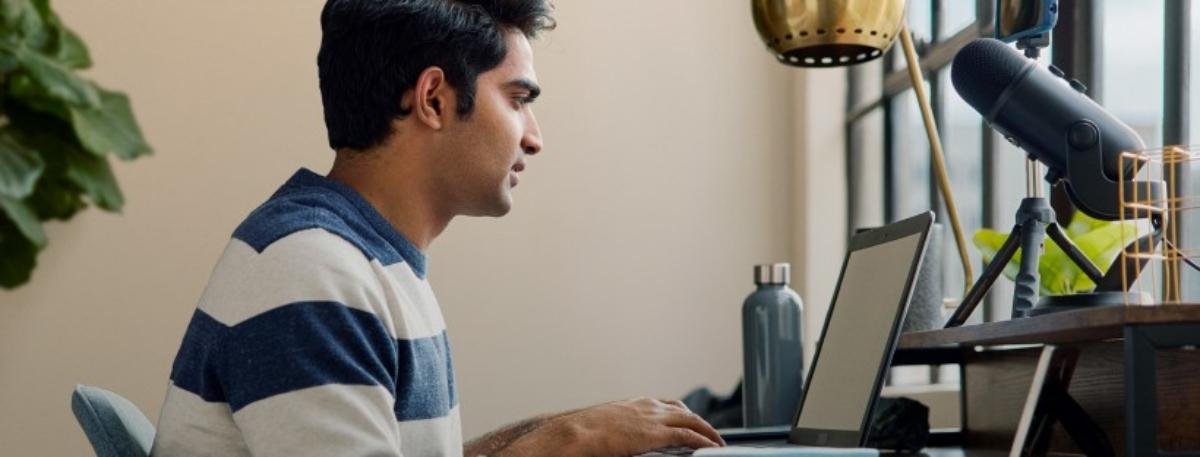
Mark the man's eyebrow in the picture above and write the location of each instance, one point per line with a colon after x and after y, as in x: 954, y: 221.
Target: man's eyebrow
x: 526, y: 84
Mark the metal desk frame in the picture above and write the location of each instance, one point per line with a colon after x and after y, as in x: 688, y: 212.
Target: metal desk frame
x: 1142, y: 343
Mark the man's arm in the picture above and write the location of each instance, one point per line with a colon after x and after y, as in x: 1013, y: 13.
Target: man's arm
x: 493, y: 442
x: 620, y: 428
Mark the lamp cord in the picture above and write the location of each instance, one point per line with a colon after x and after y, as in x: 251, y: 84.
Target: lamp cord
x: 935, y: 149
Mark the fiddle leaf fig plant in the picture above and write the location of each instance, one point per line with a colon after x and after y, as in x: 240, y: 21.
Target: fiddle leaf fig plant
x: 57, y: 132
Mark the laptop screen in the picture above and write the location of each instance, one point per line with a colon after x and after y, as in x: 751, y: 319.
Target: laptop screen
x: 846, y: 369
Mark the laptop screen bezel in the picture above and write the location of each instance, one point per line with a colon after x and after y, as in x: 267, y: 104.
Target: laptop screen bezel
x: 918, y: 224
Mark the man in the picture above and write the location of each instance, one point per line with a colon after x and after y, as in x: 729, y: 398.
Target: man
x: 318, y: 333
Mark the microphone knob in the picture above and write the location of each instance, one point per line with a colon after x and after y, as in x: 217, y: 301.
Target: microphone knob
x: 1078, y: 86
x: 1057, y: 72
x: 1053, y: 175
x: 1083, y: 136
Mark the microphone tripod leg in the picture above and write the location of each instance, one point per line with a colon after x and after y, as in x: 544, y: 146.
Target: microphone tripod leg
x: 990, y: 273
x: 1033, y: 215
x: 1059, y: 237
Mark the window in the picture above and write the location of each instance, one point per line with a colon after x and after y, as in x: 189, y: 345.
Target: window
x: 1132, y: 70
x: 892, y: 175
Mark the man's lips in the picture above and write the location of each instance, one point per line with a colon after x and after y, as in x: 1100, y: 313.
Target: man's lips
x: 514, y: 175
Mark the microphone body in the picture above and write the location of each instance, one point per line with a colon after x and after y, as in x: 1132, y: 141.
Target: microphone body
x: 1049, y: 117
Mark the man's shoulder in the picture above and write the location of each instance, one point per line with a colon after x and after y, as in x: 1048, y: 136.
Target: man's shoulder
x: 316, y: 218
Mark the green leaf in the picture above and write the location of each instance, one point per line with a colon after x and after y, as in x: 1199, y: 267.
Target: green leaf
x: 8, y: 62
x: 22, y: 89
x: 1082, y: 223
x: 57, y: 197
x: 25, y: 219
x: 56, y: 80
x: 1058, y: 272
x: 988, y: 242
x: 20, y: 255
x: 1103, y: 246
x: 92, y: 174
x: 20, y: 167
x: 65, y: 45
x: 20, y: 17
x: 43, y: 7
x: 70, y: 50
x: 111, y: 128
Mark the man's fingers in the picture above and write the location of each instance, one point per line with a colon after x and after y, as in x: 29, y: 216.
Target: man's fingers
x: 695, y: 423
x: 689, y: 438
x: 677, y: 404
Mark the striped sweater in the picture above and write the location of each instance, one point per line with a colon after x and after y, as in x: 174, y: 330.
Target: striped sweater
x: 317, y: 335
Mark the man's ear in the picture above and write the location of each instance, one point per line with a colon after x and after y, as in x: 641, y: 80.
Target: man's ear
x: 433, y: 99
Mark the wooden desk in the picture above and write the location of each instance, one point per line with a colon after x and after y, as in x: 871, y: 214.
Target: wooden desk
x: 1138, y: 374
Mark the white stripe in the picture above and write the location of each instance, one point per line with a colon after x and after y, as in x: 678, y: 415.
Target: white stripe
x: 316, y: 265
x: 403, y: 289
x: 191, y: 426
x: 440, y: 436
x: 333, y: 419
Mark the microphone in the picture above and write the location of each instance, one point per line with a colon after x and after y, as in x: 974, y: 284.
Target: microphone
x: 1040, y: 111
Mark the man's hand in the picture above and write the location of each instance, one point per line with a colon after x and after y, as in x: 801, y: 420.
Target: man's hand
x: 617, y: 429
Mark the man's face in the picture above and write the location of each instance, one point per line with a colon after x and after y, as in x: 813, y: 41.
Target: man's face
x: 485, y: 152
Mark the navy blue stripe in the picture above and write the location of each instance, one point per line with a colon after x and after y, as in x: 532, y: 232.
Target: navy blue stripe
x: 310, y: 344
x: 194, y: 368
x: 309, y: 200
x: 449, y: 370
x: 303, y: 345
x: 382, y: 227
x: 425, y: 367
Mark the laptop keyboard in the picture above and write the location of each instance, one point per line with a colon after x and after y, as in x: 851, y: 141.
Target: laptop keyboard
x: 678, y: 450
x: 683, y: 450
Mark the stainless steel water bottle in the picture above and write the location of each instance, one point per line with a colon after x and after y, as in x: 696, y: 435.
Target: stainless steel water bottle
x: 772, y: 348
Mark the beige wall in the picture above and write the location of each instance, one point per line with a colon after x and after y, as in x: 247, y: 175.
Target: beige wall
x: 668, y: 171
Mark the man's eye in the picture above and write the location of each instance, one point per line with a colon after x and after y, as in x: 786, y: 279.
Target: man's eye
x: 522, y: 101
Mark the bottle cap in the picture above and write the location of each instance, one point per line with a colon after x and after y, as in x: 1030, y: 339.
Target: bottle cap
x: 772, y: 274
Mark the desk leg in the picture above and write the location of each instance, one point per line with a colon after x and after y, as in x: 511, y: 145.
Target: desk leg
x: 1142, y: 343
x: 1141, y: 394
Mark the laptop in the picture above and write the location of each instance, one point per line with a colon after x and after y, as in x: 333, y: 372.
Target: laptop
x: 856, y: 344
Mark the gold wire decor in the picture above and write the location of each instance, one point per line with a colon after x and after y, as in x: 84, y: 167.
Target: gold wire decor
x: 1156, y: 268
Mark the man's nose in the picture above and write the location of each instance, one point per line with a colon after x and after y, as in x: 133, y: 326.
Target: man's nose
x: 531, y: 143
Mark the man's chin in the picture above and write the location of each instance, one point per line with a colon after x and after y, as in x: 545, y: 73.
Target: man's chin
x: 497, y: 208
x: 502, y: 211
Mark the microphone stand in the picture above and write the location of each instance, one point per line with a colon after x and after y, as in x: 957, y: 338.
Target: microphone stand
x: 1034, y: 221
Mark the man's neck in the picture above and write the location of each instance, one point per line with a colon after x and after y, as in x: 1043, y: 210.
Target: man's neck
x: 399, y: 193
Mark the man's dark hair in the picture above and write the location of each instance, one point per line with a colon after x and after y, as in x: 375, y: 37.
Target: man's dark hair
x: 372, y: 51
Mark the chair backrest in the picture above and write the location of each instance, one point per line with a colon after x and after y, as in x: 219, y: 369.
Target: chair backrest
x: 114, y: 426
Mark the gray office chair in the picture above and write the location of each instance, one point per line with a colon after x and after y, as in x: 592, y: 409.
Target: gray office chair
x: 114, y: 426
